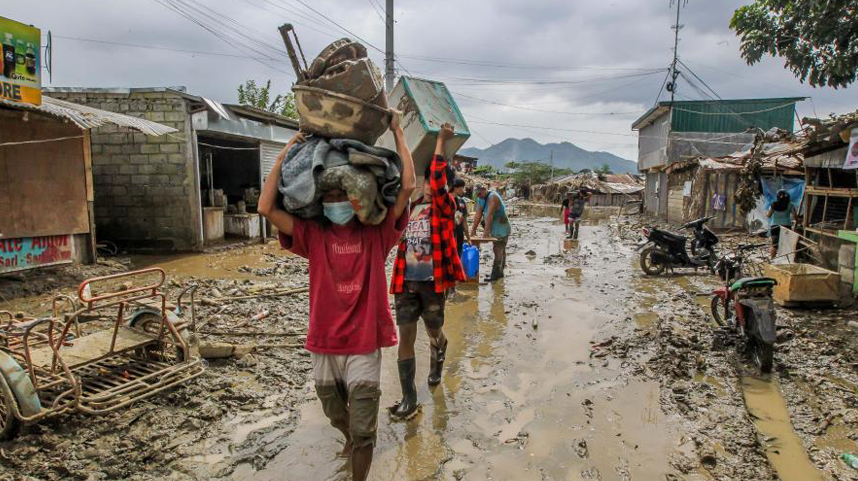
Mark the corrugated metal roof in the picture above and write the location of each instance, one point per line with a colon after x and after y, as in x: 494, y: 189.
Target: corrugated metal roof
x: 88, y: 117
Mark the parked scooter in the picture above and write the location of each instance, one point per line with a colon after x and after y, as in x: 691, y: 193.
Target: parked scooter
x: 663, y: 250
x: 743, y: 307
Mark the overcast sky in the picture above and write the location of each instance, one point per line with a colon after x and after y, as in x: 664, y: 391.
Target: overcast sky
x: 553, y: 70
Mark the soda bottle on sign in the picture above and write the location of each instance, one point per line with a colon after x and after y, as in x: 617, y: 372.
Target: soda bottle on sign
x: 21, y: 57
x: 31, y: 59
x: 8, y: 56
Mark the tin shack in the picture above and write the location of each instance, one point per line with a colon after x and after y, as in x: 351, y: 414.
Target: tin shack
x: 47, y: 194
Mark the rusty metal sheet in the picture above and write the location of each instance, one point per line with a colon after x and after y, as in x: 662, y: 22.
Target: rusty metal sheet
x: 90, y: 118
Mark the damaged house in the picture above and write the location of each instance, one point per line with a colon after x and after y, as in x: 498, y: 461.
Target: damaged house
x: 831, y: 196
x: 677, y: 131
x: 608, y: 190
x: 713, y: 186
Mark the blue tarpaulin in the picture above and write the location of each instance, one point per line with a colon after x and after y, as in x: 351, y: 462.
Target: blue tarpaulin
x: 793, y: 186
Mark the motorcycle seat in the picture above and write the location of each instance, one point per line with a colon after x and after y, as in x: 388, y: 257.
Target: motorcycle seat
x: 753, y: 282
x: 673, y: 237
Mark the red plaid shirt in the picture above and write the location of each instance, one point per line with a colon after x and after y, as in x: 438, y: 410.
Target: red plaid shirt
x: 447, y: 267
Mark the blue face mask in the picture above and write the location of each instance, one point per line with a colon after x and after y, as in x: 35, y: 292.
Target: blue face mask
x: 339, y: 212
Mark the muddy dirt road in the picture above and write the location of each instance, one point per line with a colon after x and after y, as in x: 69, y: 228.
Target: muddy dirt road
x: 574, y: 367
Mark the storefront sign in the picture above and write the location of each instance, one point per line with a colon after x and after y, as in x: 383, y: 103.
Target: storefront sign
x: 852, y: 152
x: 29, y: 252
x: 20, y: 70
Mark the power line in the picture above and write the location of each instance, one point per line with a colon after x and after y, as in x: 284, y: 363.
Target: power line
x: 155, y: 47
x: 340, y: 26
x: 501, y: 104
x: 487, y: 63
x: 490, y: 81
x: 227, y: 33
x: 288, y: 9
x: 375, y: 9
x: 658, y: 97
x: 607, y: 133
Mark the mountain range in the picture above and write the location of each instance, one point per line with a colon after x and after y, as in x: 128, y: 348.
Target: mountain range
x: 566, y: 155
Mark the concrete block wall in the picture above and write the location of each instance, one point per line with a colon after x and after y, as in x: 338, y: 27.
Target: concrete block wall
x: 144, y: 186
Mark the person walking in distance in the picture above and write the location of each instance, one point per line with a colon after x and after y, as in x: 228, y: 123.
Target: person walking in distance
x: 564, y: 210
x: 426, y: 266
x: 461, y: 228
x: 350, y: 318
x: 577, y: 204
x: 491, y: 207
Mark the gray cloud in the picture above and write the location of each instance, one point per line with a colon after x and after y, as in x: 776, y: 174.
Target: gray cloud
x: 574, y: 41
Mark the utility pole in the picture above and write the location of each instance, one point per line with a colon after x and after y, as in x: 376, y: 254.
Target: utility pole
x: 388, y: 54
x: 551, y: 162
x: 673, y: 72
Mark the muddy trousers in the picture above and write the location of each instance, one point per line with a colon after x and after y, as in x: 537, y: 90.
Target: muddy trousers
x: 499, y: 263
x: 348, y: 388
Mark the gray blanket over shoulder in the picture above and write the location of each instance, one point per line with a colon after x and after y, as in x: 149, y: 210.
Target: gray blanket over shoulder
x: 370, y: 176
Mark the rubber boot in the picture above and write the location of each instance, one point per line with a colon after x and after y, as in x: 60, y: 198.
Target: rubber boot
x: 407, y: 407
x: 436, y: 363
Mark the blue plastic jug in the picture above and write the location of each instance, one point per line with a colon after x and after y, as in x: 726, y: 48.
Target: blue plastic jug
x: 470, y: 260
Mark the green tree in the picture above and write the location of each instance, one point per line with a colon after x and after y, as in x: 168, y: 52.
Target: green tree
x: 531, y: 173
x: 604, y: 169
x: 260, y: 97
x: 817, y: 39
x: 485, y: 171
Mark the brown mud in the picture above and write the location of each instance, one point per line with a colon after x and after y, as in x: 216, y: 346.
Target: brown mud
x: 576, y: 366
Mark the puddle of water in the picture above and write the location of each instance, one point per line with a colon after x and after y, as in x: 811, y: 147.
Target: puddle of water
x: 217, y: 265
x: 711, y: 381
x: 783, y: 446
x: 515, y: 400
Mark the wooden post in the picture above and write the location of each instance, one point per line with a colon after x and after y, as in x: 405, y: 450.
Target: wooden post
x: 90, y: 194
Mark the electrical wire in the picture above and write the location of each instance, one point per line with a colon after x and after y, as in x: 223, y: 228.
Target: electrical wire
x: 558, y: 112
x: 663, y: 84
x: 227, y: 33
x: 375, y: 9
x: 291, y: 12
x: 155, y: 47
x: 607, y: 133
x: 485, y: 63
x: 552, y: 82
x: 344, y: 29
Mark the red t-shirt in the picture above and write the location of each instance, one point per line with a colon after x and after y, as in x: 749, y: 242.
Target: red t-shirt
x: 349, y: 309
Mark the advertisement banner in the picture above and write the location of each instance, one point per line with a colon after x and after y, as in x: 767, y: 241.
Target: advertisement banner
x: 29, y: 252
x: 21, y: 68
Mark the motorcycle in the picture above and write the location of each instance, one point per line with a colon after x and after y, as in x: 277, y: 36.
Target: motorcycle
x: 744, y: 307
x: 664, y: 250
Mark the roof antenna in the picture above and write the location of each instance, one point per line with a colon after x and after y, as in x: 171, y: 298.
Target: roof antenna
x: 671, y: 86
